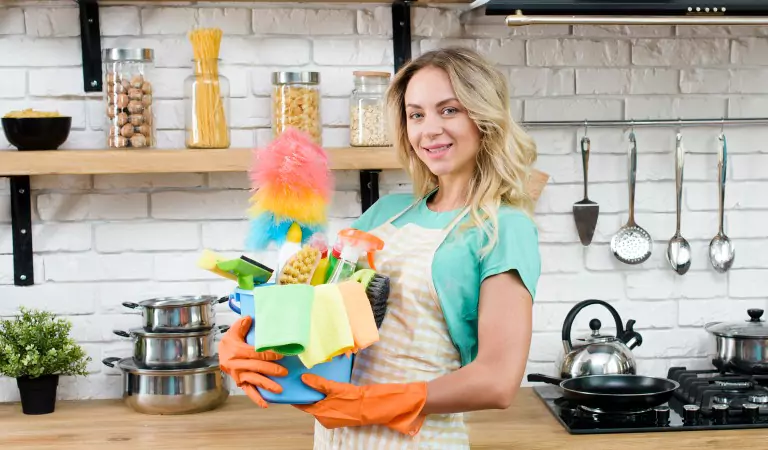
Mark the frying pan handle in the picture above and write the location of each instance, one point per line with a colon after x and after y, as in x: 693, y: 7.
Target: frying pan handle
x: 544, y: 378
x: 566, y: 337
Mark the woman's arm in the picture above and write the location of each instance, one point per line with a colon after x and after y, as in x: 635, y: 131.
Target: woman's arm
x: 504, y: 336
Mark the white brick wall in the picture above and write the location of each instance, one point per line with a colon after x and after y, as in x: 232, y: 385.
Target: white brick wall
x: 102, y: 240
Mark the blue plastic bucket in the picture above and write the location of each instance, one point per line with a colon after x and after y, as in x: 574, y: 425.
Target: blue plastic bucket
x: 295, y: 392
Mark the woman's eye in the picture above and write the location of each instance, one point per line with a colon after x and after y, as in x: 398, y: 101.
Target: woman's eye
x: 450, y: 110
x: 415, y: 115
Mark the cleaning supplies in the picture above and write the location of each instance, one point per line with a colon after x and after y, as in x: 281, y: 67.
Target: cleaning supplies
x: 300, y: 268
x: 365, y: 331
x: 293, y: 185
x: 247, y: 271
x: 283, y: 317
x: 377, y: 290
x: 289, y: 247
x: 330, y: 333
x: 354, y: 244
x: 208, y: 261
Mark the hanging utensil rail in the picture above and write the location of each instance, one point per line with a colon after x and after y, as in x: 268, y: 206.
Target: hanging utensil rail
x: 646, y: 123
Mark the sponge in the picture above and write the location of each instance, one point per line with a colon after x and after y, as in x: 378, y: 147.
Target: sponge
x: 300, y: 268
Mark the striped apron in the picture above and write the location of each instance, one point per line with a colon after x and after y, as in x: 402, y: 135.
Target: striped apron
x: 414, y: 343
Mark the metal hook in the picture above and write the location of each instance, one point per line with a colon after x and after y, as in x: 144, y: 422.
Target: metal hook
x: 586, y: 128
x: 722, y: 125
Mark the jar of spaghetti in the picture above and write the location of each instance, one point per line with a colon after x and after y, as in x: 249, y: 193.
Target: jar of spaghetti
x: 206, y: 104
x: 367, y: 115
x: 296, y: 103
x: 128, y: 97
x: 206, y: 93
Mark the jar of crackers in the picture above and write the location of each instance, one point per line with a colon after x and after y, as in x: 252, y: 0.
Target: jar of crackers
x: 296, y: 103
x: 128, y: 91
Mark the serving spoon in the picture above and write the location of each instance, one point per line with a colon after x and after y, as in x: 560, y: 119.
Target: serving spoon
x: 678, y: 249
x: 721, y: 250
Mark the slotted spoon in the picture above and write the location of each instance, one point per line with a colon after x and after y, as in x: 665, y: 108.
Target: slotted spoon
x: 632, y: 244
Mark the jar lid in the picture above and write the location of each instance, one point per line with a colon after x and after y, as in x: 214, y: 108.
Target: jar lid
x: 751, y: 328
x: 368, y: 73
x: 127, y: 54
x: 295, y: 77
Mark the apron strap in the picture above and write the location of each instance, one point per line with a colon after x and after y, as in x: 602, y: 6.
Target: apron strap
x: 408, y: 208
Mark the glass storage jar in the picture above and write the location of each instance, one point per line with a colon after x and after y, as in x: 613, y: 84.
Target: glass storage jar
x: 367, y: 114
x: 128, y: 87
x: 206, y: 106
x: 296, y: 103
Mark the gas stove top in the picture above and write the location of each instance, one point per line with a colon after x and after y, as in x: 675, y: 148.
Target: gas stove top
x: 706, y: 400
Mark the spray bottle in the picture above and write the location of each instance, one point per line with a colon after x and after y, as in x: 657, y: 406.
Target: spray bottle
x: 354, y: 244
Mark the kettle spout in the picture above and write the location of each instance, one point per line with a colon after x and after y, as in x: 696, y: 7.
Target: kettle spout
x: 631, y: 335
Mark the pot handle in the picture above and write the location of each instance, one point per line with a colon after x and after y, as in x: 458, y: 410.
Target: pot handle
x: 234, y: 306
x: 110, y: 362
x: 122, y: 333
x: 131, y: 305
x: 222, y: 299
x: 223, y: 328
x: 544, y: 378
x: 566, y: 336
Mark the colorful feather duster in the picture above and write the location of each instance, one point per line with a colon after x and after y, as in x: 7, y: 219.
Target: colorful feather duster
x: 293, y: 184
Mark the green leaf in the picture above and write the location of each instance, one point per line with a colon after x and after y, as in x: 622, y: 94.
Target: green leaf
x: 37, y: 343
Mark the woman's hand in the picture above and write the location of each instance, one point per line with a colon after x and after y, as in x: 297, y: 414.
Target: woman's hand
x: 396, y: 406
x: 247, y: 366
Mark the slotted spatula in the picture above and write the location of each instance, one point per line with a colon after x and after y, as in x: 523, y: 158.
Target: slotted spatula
x: 585, y: 212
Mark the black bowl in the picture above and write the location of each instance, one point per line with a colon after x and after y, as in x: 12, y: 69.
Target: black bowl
x: 37, y: 133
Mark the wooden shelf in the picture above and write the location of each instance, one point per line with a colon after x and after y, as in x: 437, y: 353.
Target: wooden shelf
x: 88, y: 162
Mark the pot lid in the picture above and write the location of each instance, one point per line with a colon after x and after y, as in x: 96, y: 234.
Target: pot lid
x: 206, y: 365
x: 753, y: 327
x: 178, y: 301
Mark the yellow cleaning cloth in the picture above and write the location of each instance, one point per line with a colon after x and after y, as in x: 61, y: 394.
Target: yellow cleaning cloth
x: 329, y: 333
x: 282, y: 319
x: 361, y: 321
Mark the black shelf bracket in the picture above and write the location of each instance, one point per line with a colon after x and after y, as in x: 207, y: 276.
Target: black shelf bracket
x: 90, y: 43
x: 21, y: 229
x: 401, y: 46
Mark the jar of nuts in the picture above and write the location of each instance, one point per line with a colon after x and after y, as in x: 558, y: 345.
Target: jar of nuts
x: 127, y: 74
x: 296, y: 103
x: 367, y: 115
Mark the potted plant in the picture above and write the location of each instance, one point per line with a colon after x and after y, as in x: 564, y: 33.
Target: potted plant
x: 36, y: 348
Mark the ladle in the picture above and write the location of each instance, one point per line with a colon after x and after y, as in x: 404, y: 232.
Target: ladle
x: 678, y: 250
x: 721, y: 250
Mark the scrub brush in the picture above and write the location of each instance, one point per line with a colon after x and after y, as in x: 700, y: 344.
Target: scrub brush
x: 377, y: 290
x: 300, y: 268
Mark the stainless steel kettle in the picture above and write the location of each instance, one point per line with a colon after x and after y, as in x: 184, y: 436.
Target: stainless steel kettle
x: 598, y: 354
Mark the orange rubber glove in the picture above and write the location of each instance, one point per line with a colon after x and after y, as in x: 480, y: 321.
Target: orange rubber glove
x: 396, y: 406
x: 247, y: 366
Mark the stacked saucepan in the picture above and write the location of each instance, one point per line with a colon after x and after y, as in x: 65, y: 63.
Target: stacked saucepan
x: 174, y: 368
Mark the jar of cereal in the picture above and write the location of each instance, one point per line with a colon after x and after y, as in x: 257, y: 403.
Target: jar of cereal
x: 127, y: 75
x: 367, y: 116
x: 296, y: 103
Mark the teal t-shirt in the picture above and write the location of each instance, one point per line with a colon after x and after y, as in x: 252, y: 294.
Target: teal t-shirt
x: 457, y: 269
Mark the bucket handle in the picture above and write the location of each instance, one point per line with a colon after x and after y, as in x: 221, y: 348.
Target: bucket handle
x: 234, y: 307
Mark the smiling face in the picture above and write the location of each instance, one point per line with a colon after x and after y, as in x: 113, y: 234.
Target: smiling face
x: 439, y: 128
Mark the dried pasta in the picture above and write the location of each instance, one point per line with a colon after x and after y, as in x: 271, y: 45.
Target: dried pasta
x: 208, y: 127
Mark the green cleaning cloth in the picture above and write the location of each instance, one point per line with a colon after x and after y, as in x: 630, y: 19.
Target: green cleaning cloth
x: 283, y: 315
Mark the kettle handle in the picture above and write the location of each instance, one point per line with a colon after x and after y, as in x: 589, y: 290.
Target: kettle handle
x: 575, y: 311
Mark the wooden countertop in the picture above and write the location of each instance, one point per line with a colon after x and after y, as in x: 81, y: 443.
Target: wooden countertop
x: 109, y: 424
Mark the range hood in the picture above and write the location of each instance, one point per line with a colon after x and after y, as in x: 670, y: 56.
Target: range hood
x: 639, y: 12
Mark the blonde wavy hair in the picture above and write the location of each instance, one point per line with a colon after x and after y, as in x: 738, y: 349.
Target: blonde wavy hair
x: 506, y: 152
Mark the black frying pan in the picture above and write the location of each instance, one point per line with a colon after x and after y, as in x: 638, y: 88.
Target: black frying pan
x: 613, y: 392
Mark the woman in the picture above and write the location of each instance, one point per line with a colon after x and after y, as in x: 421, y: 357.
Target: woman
x: 463, y: 259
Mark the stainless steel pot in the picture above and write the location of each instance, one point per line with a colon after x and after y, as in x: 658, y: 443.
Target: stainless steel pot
x: 172, y: 350
x: 741, y: 346
x: 172, y: 391
x: 182, y: 313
